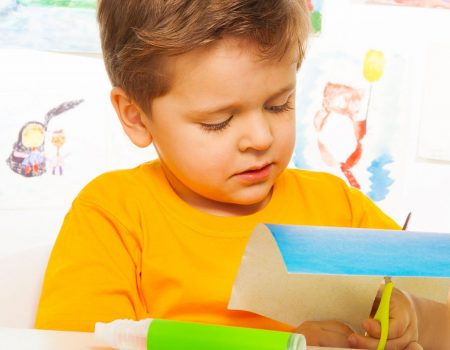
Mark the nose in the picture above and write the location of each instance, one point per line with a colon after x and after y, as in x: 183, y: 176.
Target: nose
x: 257, y: 133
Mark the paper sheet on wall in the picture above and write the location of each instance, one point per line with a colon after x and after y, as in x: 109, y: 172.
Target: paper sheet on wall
x: 434, y: 140
x: 58, y: 128
x: 297, y: 273
x: 351, y: 119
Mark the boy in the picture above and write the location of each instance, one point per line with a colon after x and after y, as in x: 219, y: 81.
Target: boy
x: 212, y: 85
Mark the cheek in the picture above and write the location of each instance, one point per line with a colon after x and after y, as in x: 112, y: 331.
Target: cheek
x: 203, y: 153
x: 286, y: 135
x: 216, y: 156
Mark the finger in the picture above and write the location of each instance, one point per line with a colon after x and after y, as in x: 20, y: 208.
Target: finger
x: 357, y: 341
x: 400, y: 314
x: 372, y: 327
x: 414, y: 346
x: 325, y: 333
x: 398, y: 327
x: 337, y: 327
x: 333, y: 339
x: 366, y: 342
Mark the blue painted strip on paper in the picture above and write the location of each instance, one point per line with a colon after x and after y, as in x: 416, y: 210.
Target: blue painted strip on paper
x: 367, y: 252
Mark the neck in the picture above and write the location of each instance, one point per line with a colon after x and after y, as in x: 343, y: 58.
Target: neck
x: 211, y: 206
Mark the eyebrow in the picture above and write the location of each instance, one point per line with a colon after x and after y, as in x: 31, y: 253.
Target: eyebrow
x: 228, y: 107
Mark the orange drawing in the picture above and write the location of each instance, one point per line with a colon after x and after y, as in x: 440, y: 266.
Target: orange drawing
x: 341, y: 107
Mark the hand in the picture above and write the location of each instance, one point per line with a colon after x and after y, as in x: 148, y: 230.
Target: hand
x: 325, y: 333
x: 403, y: 329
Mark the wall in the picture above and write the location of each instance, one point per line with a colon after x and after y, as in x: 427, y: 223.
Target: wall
x: 412, y: 32
x: 35, y: 82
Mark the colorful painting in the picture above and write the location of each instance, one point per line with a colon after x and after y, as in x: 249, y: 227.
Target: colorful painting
x: 58, y: 129
x: 69, y: 25
x: 28, y: 156
x: 350, y: 119
x: 54, y: 131
x: 445, y: 4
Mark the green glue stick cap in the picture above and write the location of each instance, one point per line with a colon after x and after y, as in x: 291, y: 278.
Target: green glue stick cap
x: 175, y: 335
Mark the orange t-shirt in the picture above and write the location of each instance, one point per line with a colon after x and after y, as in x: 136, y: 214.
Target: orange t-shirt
x: 131, y: 248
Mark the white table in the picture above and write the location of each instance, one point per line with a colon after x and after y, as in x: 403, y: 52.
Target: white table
x: 32, y: 339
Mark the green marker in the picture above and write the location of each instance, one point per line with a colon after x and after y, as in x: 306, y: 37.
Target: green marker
x: 155, y: 334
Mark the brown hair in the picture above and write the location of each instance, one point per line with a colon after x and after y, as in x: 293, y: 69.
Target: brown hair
x: 137, y: 35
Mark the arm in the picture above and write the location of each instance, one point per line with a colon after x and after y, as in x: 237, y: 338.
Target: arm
x: 330, y: 333
x: 415, y: 323
x: 433, y: 323
x: 93, y: 272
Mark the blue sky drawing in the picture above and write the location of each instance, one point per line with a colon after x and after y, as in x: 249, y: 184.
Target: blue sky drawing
x: 343, y: 251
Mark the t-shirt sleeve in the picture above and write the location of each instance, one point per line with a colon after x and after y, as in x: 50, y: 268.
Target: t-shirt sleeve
x: 93, y: 272
x: 366, y: 214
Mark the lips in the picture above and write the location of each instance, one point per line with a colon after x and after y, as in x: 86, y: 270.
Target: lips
x: 255, y: 169
x: 256, y: 174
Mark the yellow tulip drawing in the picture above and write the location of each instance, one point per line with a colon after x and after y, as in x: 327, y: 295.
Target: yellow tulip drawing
x: 373, y: 70
x: 373, y: 65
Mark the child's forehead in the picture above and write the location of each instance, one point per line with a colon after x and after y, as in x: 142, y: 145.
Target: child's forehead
x: 229, y: 75
x: 226, y: 50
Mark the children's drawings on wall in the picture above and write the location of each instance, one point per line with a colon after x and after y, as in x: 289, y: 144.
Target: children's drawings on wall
x: 57, y: 161
x: 419, y: 3
x: 349, y: 118
x: 69, y: 25
x: 346, y: 102
x: 340, y: 101
x: 315, y: 8
x: 58, y: 129
x: 53, y: 135
x: 29, y: 154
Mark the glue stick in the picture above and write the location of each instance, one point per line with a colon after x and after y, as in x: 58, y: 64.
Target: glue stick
x: 155, y: 334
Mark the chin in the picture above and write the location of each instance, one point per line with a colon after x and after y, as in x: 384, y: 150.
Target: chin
x: 251, y: 200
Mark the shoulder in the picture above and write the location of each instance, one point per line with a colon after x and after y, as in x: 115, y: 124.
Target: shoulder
x: 314, y: 181
x: 121, y: 199
x: 123, y: 179
x: 119, y: 183
x: 335, y: 198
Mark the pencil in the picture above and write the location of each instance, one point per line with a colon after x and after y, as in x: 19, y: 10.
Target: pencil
x: 405, y: 225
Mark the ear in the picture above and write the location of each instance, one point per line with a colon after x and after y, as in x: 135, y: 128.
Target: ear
x: 134, y: 121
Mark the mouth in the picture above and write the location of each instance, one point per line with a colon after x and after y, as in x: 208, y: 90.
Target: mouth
x: 255, y: 169
x: 256, y: 173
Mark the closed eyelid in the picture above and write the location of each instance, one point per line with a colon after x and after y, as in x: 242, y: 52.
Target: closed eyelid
x: 232, y: 107
x: 217, y: 126
x: 286, y: 104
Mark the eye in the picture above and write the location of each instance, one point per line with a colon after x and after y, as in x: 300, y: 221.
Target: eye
x: 280, y: 108
x: 217, y: 126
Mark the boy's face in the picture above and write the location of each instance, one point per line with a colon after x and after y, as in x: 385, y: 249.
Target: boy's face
x: 226, y: 129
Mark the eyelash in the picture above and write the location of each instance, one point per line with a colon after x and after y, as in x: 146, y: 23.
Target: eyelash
x: 223, y: 125
x: 280, y: 109
x: 217, y: 127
